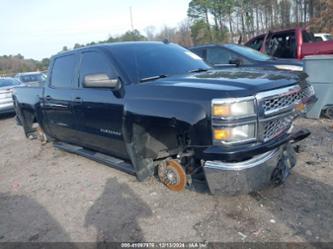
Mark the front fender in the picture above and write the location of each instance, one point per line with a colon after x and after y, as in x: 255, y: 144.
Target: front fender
x: 155, y: 129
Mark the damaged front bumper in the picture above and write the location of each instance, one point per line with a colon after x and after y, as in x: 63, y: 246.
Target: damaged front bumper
x: 241, y: 177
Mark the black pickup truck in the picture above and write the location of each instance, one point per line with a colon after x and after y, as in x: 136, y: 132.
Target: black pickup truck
x: 153, y: 108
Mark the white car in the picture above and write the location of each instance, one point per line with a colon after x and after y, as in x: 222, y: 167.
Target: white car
x: 6, y: 89
x: 323, y: 37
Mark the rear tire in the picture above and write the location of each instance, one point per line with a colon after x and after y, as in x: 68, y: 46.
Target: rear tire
x: 328, y: 113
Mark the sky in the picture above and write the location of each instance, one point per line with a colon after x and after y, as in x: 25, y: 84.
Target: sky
x: 40, y: 28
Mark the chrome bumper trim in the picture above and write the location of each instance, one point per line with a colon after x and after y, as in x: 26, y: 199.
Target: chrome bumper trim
x: 253, y: 162
x: 242, y: 177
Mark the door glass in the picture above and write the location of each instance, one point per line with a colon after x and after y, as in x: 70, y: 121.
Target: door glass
x: 63, y: 71
x: 282, y: 45
x: 200, y: 52
x: 218, y: 56
x: 257, y: 43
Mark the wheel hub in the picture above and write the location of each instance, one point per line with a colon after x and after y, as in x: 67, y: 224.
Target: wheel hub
x: 173, y: 175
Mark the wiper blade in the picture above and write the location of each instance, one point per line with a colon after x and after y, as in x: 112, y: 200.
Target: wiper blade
x: 153, y: 78
x: 198, y: 70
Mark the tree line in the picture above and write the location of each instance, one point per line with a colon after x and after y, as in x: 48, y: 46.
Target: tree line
x: 218, y: 21
x: 240, y: 20
x: 12, y: 64
x: 213, y: 21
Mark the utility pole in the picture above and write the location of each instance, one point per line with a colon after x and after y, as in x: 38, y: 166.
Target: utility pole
x: 131, y: 18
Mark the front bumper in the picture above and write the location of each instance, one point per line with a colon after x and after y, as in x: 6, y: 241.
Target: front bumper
x: 241, y: 177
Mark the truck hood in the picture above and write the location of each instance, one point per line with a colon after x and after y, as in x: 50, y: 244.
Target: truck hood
x: 245, y: 80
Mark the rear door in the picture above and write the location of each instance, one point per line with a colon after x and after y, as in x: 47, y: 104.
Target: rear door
x: 100, y: 110
x: 58, y: 97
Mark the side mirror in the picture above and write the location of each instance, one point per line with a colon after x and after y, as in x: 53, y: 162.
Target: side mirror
x: 101, y: 81
x: 236, y: 62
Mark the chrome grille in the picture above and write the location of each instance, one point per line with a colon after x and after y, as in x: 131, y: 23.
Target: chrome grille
x: 285, y: 100
x: 275, y: 127
x: 277, y: 110
x: 281, y: 102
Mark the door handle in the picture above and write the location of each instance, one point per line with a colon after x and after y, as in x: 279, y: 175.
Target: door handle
x: 78, y: 99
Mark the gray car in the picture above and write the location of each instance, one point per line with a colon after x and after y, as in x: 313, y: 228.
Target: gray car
x: 6, y: 89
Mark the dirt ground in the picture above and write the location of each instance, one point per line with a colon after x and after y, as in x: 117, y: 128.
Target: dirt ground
x: 50, y: 195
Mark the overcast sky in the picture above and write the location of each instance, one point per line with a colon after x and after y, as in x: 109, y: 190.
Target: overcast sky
x: 40, y: 28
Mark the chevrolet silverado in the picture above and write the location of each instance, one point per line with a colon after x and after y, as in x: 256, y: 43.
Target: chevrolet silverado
x: 155, y: 108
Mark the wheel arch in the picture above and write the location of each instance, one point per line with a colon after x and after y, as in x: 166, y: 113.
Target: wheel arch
x: 154, y: 130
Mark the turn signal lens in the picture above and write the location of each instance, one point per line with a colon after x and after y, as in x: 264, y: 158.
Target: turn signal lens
x: 234, y: 134
x: 300, y: 107
x: 221, y: 110
x: 222, y: 134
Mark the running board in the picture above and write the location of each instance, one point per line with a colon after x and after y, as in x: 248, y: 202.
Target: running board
x: 98, y: 157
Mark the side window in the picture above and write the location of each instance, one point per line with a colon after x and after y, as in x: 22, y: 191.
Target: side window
x: 94, y: 63
x: 63, y: 71
x: 218, y: 56
x: 307, y: 37
x: 200, y: 52
x: 318, y: 39
x: 282, y: 45
x: 257, y: 43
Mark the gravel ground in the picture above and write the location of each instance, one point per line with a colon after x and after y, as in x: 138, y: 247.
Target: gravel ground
x: 50, y: 195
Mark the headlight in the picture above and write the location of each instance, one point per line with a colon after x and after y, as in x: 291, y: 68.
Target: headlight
x: 233, y: 108
x: 289, y: 67
x: 236, y: 134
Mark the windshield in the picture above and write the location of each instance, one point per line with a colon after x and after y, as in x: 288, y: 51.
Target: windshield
x: 32, y: 77
x: 145, y: 60
x: 8, y: 82
x: 328, y: 37
x: 248, y: 52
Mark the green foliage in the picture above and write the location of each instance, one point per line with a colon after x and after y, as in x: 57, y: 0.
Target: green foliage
x: 132, y: 36
x: 200, y: 32
x: 202, y: 13
x: 12, y: 64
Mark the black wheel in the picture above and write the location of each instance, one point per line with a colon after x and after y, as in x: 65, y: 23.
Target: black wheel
x: 328, y: 113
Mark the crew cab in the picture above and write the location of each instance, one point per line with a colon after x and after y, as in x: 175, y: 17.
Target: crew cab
x: 156, y: 108
x: 292, y: 43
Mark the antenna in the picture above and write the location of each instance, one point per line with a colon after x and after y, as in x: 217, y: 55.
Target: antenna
x: 131, y: 18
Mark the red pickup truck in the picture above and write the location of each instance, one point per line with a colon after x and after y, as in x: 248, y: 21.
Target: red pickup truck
x: 292, y: 43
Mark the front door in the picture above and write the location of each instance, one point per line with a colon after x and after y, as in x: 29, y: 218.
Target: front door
x: 58, y: 98
x: 100, y: 110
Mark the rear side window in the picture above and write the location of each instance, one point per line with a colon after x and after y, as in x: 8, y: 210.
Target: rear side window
x: 201, y: 52
x: 217, y: 56
x: 318, y: 39
x: 256, y: 43
x: 94, y: 63
x: 63, y: 71
x: 307, y: 37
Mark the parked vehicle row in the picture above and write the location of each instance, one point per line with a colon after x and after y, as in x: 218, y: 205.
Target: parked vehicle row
x: 292, y: 43
x: 323, y: 37
x: 228, y: 55
x: 146, y: 107
x: 32, y: 79
x: 6, y: 89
